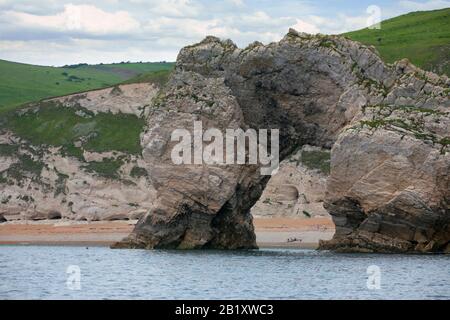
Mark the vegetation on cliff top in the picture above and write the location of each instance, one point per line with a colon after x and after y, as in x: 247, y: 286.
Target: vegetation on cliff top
x: 406, y: 120
x: 157, y: 77
x: 21, y: 83
x: 77, y: 129
x: 108, y: 168
x: 25, y: 167
x: 422, y: 37
x: 319, y: 160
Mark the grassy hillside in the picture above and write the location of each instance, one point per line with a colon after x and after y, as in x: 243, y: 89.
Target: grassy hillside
x: 53, y: 125
x: 422, y: 37
x: 157, y: 77
x: 21, y: 83
x: 138, y: 68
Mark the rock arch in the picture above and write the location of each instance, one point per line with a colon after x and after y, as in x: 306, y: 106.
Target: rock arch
x: 316, y: 90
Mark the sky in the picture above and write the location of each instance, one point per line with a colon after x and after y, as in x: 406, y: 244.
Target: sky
x: 60, y: 32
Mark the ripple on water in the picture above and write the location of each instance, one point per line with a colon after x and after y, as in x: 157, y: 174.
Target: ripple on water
x: 40, y: 272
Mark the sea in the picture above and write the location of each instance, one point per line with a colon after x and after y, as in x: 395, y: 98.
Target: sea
x: 66, y: 272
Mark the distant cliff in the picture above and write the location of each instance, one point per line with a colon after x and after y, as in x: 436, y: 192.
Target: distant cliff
x: 77, y: 157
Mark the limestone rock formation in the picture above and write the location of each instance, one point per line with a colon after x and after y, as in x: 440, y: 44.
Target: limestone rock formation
x: 131, y: 98
x: 388, y: 187
x: 297, y: 190
x: 44, y: 181
x: 197, y: 206
x: 386, y: 184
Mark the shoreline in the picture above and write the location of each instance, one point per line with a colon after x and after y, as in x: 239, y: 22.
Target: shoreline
x: 270, y: 232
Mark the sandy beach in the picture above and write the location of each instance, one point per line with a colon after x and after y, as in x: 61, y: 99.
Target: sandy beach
x: 270, y: 232
x: 292, y: 233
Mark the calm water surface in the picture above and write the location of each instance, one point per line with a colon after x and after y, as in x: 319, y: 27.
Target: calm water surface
x: 40, y: 272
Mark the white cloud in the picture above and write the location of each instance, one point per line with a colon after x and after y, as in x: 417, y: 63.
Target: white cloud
x: 79, y: 18
x: 339, y: 24
x: 422, y: 6
x: 307, y: 27
x: 81, y: 51
x: 176, y: 8
x: 188, y: 30
x: 237, y: 3
x: 71, y: 31
x: 261, y: 20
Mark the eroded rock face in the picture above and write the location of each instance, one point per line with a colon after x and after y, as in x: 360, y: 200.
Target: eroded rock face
x: 298, y: 188
x: 388, y: 189
x: 198, y: 206
x: 387, y: 127
x: 133, y: 98
x: 46, y: 182
x: 390, y: 185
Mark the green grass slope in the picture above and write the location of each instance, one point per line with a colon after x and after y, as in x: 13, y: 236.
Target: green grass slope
x: 139, y: 67
x: 22, y: 83
x: 423, y: 37
x: 157, y: 77
x: 74, y: 130
x: 53, y: 125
